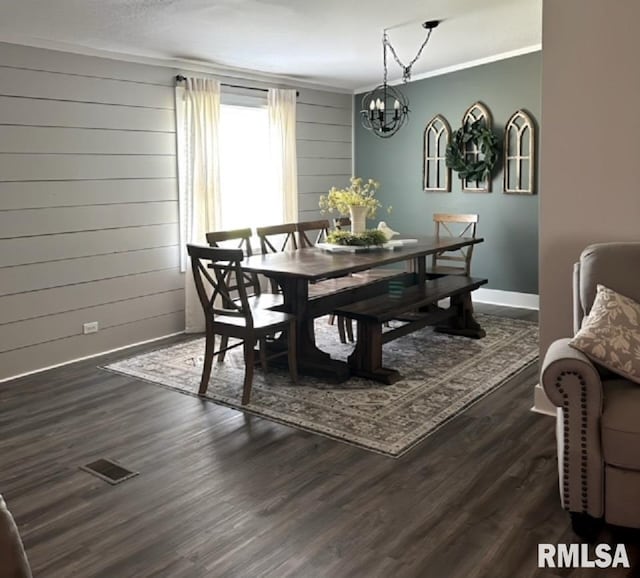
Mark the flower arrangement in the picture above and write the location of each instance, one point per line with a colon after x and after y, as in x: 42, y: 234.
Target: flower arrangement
x: 358, y: 194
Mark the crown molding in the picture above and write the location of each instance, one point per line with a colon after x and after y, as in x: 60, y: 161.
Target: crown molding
x: 461, y: 66
x: 178, y: 64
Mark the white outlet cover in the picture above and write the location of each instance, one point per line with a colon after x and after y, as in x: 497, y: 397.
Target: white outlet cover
x: 91, y: 327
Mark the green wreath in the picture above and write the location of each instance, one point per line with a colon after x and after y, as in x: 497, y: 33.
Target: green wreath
x: 485, y: 140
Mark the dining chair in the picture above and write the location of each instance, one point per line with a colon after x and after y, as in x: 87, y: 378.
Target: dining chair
x: 276, y: 239
x: 238, y: 239
x: 342, y: 223
x: 217, y: 273
x: 458, y: 262
x: 304, y: 228
x: 345, y: 325
x: 321, y: 229
x: 241, y: 239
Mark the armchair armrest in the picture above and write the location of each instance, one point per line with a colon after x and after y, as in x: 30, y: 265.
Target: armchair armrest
x: 563, y: 371
x: 573, y: 385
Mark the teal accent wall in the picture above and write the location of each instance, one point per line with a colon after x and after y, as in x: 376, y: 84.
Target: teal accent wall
x: 508, y: 222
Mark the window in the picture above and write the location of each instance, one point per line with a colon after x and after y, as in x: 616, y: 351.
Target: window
x: 248, y: 195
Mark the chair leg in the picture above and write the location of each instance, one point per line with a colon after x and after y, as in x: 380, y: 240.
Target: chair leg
x: 263, y: 354
x: 224, y: 343
x: 209, y: 349
x: 585, y: 526
x: 341, y: 333
x: 332, y: 318
x: 292, y: 357
x: 349, y: 325
x: 249, y: 362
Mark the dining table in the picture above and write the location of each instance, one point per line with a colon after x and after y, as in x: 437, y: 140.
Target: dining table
x: 295, y: 271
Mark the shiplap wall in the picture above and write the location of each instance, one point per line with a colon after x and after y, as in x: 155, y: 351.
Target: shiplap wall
x: 324, y: 147
x: 88, y: 201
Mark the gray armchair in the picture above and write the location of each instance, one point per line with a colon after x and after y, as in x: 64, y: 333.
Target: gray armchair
x: 598, y: 422
x: 13, y: 560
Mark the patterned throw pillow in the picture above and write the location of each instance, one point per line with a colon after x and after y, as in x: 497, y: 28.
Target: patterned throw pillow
x: 610, y: 334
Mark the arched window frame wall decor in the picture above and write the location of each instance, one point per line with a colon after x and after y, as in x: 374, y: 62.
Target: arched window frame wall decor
x: 434, y: 168
x: 520, y: 128
x: 477, y: 111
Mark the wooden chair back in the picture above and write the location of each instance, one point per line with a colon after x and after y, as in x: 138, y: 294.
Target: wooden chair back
x: 321, y: 228
x: 342, y: 223
x: 450, y: 225
x: 237, y: 239
x: 217, y: 275
x: 277, y: 238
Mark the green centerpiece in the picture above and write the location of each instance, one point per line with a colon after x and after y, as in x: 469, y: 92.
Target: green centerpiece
x: 367, y: 238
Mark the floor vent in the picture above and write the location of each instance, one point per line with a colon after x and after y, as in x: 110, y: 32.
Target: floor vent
x: 109, y: 471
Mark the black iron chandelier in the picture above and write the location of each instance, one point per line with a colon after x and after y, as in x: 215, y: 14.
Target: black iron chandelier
x: 385, y: 109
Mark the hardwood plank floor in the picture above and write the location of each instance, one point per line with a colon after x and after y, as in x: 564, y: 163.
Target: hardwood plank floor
x: 221, y: 494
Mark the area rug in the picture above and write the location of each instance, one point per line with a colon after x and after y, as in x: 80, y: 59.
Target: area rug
x: 442, y: 376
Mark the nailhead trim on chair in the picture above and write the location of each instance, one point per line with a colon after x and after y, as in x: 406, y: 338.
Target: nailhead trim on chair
x: 583, y: 439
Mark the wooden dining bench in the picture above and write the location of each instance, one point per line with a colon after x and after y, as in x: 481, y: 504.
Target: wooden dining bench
x: 417, y: 306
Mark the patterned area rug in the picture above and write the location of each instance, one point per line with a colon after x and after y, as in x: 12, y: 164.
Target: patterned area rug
x: 442, y: 376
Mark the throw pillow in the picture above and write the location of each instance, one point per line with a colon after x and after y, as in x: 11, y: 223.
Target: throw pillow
x: 610, y: 334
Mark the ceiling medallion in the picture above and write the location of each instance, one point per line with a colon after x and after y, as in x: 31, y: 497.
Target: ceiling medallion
x: 385, y: 109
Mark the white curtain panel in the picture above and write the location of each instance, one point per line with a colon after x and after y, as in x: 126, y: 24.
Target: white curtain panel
x: 282, y: 133
x: 198, y: 120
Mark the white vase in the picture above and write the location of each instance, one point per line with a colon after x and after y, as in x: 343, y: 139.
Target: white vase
x: 358, y: 217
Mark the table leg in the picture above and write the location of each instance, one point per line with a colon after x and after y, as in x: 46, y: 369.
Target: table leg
x: 311, y: 359
x: 366, y: 359
x: 463, y: 323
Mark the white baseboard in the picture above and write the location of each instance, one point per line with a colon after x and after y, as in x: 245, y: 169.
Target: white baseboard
x: 507, y: 298
x: 40, y: 370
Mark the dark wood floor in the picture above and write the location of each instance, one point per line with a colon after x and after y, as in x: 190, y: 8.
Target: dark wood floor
x: 221, y: 494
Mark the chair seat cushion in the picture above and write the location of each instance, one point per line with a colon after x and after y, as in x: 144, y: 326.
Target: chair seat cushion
x: 620, y: 424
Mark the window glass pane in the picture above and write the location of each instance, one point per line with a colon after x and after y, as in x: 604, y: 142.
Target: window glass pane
x: 249, y: 198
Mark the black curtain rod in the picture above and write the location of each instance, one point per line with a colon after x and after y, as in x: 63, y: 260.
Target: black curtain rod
x: 181, y: 78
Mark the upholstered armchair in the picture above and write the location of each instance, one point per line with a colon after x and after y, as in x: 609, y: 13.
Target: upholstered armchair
x: 13, y: 560
x: 598, y: 419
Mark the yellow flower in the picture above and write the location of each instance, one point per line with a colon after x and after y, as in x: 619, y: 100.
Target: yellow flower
x: 357, y: 194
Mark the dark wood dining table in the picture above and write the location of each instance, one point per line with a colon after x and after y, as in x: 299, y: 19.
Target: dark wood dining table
x: 294, y: 271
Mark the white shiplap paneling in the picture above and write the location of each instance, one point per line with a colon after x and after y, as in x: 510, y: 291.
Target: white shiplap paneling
x: 69, y: 141
x: 88, y: 200
x: 88, y: 206
x: 324, y: 135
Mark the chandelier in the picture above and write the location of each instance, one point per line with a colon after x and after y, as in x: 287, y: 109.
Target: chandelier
x: 385, y: 109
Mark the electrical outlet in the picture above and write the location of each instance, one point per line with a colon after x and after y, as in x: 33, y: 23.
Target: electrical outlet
x: 91, y: 327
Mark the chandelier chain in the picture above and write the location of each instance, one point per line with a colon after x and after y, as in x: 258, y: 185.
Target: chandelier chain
x: 406, y: 70
x: 385, y: 109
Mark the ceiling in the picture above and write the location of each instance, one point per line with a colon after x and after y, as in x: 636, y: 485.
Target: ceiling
x: 334, y: 43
